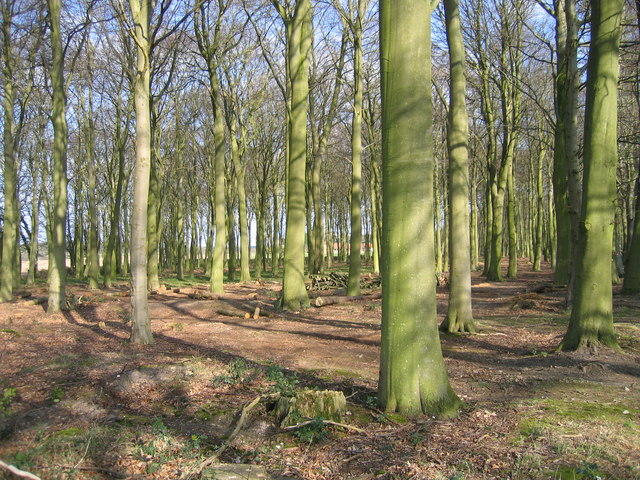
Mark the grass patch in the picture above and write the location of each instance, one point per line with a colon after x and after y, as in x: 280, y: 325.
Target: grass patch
x: 589, y: 428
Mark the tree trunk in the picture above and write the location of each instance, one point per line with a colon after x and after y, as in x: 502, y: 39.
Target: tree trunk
x: 355, y: 260
x: 512, y: 272
x: 141, y: 326
x: 299, y: 36
x: 92, y: 251
x: 459, y: 317
x: 591, y: 322
x: 57, y: 250
x: 413, y: 376
x: 11, y: 210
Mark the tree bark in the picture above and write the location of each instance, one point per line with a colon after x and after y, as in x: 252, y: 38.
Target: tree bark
x: 299, y: 32
x: 413, y: 376
x: 57, y: 250
x: 459, y: 317
x: 591, y: 322
x: 141, y: 326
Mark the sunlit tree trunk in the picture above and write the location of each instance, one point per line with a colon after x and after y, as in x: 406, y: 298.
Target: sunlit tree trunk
x: 512, y: 271
x: 57, y: 249
x: 11, y: 210
x: 413, y: 377
x: 353, y: 287
x: 294, y: 293
x: 141, y: 326
x: 459, y: 317
x: 591, y: 322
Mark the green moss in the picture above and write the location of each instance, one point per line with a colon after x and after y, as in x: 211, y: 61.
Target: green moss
x: 70, y: 432
x: 588, y: 410
x: 587, y: 471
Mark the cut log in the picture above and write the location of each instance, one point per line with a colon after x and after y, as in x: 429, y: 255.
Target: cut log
x: 336, y: 300
x: 228, y: 312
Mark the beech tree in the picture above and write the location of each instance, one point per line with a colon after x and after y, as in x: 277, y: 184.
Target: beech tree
x: 297, y: 19
x: 459, y: 317
x: 57, y: 247
x: 141, y: 326
x: 591, y: 322
x: 413, y: 377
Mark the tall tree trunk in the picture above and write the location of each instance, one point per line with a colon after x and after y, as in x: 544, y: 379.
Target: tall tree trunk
x: 459, y: 317
x: 57, y: 264
x: 153, y: 208
x: 299, y: 32
x: 631, y: 283
x: 355, y: 260
x: 245, y: 273
x: 11, y: 210
x: 413, y: 376
x: 92, y: 250
x: 220, y: 245
x: 591, y: 322
x: 141, y: 326
x: 537, y: 243
x: 512, y: 271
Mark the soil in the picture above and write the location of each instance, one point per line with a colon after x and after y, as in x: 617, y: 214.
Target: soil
x: 88, y: 404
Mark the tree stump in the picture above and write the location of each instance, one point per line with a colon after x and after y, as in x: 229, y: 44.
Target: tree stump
x: 328, y: 404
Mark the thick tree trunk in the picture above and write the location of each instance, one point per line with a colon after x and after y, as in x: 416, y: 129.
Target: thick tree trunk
x: 413, y: 376
x: 299, y: 33
x: 591, y: 322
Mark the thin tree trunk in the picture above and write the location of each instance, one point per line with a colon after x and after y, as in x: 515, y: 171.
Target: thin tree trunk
x: 459, y: 317
x: 57, y: 264
x: 141, y: 326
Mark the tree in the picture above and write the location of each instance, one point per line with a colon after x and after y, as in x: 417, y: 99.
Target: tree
x: 459, y: 317
x: 297, y: 19
x: 57, y: 248
x: 9, y: 140
x: 210, y: 45
x: 413, y: 377
x: 141, y: 326
x: 591, y: 322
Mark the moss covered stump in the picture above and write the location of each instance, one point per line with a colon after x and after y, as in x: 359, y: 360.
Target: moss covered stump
x: 306, y: 404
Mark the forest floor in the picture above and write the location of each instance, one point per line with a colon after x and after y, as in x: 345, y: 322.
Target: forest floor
x: 78, y: 401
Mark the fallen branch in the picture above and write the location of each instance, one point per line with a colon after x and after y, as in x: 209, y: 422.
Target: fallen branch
x: 17, y: 472
x: 297, y: 426
x: 229, y: 441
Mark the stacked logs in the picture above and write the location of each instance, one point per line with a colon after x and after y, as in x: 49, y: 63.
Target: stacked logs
x: 340, y: 280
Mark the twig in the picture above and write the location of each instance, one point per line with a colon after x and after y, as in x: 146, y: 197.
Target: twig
x: 20, y: 473
x: 85, y: 454
x: 227, y: 443
x: 326, y: 422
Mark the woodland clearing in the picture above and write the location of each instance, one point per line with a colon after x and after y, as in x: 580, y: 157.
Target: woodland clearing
x: 79, y: 401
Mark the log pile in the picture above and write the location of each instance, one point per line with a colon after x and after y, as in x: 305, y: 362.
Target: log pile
x: 340, y: 280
